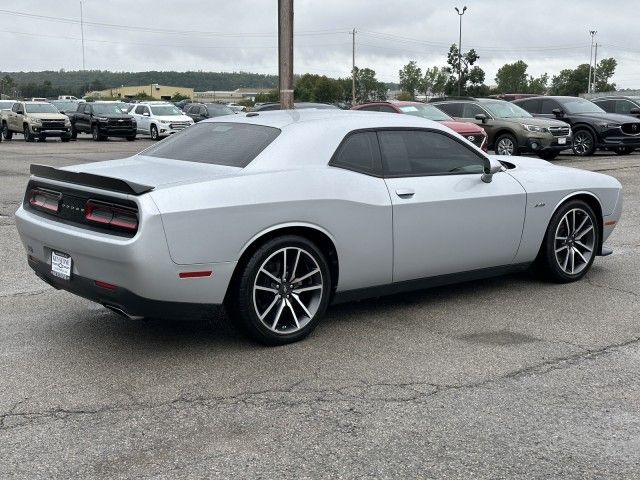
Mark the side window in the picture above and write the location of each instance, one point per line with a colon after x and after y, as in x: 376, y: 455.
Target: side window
x: 16, y: 107
x: 416, y: 152
x: 470, y: 110
x: 359, y: 152
x: 624, y: 107
x: 370, y: 108
x: 531, y: 106
x: 452, y: 109
x: 145, y: 110
x: 387, y: 109
x: 547, y: 106
x: 139, y: 109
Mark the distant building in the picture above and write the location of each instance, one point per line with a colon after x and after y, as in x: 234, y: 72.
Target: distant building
x: 229, y: 96
x: 155, y: 91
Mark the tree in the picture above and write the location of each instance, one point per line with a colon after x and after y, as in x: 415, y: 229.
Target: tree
x: 368, y: 88
x: 512, y: 77
x: 434, y: 81
x: 538, y: 85
x: 410, y: 78
x: 271, y: 96
x: 468, y: 72
x: 574, y: 81
x: 177, y: 96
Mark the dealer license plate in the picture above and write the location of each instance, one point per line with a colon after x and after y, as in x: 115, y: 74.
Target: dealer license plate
x: 60, y: 265
x: 562, y: 141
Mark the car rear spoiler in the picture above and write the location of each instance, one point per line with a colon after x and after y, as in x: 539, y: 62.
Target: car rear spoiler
x: 90, y: 180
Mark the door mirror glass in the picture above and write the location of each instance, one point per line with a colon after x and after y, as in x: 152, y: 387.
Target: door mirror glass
x: 20, y: 111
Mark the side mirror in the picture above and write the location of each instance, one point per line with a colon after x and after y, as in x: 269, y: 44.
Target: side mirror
x: 62, y: 112
x: 492, y: 167
x: 20, y: 112
x: 145, y: 114
x: 635, y: 111
x: 482, y: 117
x: 557, y: 112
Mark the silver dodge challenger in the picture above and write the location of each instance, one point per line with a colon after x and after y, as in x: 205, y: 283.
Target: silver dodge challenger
x: 278, y: 214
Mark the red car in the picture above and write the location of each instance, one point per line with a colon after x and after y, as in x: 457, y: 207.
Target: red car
x: 470, y: 131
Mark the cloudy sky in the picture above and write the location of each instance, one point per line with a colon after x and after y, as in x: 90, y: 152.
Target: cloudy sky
x: 234, y: 35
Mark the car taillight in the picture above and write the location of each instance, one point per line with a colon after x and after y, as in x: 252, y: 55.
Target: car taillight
x: 110, y: 215
x: 45, y: 200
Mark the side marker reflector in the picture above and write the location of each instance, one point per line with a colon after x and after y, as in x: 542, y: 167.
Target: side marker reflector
x: 105, y: 285
x: 610, y: 222
x: 204, y: 273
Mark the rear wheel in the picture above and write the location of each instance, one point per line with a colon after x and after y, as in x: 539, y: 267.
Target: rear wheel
x: 506, y: 144
x: 570, y: 243
x: 283, y: 291
x: 584, y: 143
x: 28, y: 136
x: 548, y: 155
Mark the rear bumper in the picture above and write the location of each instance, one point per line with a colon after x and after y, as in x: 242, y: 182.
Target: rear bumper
x: 140, y: 267
x: 122, y: 300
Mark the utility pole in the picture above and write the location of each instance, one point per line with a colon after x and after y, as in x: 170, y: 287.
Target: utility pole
x: 353, y: 68
x: 595, y: 68
x: 464, y: 9
x: 592, y: 33
x: 82, y: 34
x: 285, y: 53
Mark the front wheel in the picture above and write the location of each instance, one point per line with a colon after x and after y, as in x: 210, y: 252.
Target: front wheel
x: 506, y: 144
x: 28, y: 136
x: 584, y: 143
x: 95, y: 134
x: 154, y: 133
x: 74, y: 132
x: 131, y: 138
x: 570, y: 243
x: 6, y: 133
x: 283, y: 291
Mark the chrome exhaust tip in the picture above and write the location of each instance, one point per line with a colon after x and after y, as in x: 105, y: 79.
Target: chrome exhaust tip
x: 121, y: 312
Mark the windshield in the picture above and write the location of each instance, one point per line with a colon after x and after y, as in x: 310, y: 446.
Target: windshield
x: 217, y: 110
x: 109, y: 108
x: 217, y: 143
x: 40, y: 108
x: 426, y: 111
x: 65, y: 106
x: 6, y: 104
x: 579, y: 105
x: 506, y: 110
x: 165, y: 110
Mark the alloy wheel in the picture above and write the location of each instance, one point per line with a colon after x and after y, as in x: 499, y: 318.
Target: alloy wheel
x: 505, y: 146
x: 287, y: 290
x: 575, y: 240
x: 582, y: 143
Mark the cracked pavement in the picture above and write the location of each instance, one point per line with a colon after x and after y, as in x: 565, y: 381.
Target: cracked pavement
x: 502, y: 378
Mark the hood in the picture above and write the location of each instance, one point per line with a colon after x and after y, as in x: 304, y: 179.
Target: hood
x: 463, y: 127
x: 174, y: 118
x: 155, y: 172
x: 114, y: 116
x: 48, y: 116
x: 605, y: 117
x: 538, y: 121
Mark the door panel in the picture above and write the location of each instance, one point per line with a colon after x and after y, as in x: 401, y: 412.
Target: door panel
x: 454, y: 223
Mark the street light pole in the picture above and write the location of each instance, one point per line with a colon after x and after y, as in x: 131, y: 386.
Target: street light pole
x: 592, y: 33
x: 285, y: 53
x: 82, y: 34
x: 460, y: 14
x: 353, y: 68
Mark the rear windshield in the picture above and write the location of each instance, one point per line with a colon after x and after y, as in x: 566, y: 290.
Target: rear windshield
x: 217, y: 143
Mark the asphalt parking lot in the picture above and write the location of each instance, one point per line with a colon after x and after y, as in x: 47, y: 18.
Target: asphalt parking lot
x: 502, y: 378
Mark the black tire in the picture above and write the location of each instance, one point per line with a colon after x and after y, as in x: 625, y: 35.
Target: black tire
x: 241, y: 300
x: 549, y: 262
x: 65, y: 139
x: 153, y: 131
x: 6, y: 133
x: 42, y: 138
x: 584, y: 143
x: 548, y: 155
x: 623, y: 150
x: 28, y: 136
x: 96, y: 135
x: 504, y: 143
x: 131, y: 138
x: 74, y: 132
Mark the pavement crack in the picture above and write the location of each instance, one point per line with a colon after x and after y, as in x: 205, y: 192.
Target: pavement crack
x: 609, y: 287
x: 27, y: 293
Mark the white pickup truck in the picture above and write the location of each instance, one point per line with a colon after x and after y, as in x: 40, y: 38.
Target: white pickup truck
x: 35, y: 120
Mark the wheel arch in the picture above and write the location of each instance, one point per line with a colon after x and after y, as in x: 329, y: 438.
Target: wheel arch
x: 594, y: 202
x: 502, y: 131
x: 318, y: 235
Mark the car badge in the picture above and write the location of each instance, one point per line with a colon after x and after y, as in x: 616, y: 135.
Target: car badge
x: 471, y: 138
x: 120, y: 121
x: 634, y: 127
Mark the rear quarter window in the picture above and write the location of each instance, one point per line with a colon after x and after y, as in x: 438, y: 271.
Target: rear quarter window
x: 229, y: 144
